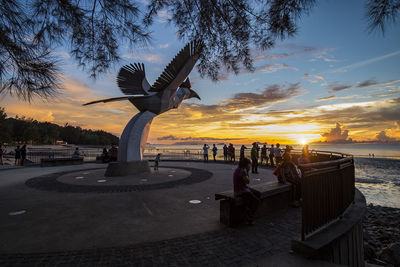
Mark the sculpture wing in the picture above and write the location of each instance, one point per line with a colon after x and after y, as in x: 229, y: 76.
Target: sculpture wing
x: 179, y: 68
x: 132, y: 80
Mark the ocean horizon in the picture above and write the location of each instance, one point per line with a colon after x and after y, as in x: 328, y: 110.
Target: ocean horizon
x: 388, y: 151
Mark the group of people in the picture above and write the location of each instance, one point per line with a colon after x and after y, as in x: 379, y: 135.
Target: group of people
x: 205, y: 152
x: 19, y: 155
x: 264, y: 155
x: 286, y: 171
x: 110, y: 155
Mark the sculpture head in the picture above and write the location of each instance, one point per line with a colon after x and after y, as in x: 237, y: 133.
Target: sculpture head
x: 186, y: 87
x: 183, y: 92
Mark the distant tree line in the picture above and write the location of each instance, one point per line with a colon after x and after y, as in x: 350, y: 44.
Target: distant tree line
x: 27, y: 130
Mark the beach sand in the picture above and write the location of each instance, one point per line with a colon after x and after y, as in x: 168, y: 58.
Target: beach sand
x: 382, y: 235
x: 379, y: 180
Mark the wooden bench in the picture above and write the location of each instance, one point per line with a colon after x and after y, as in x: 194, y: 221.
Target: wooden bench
x: 273, y: 195
x: 50, y: 162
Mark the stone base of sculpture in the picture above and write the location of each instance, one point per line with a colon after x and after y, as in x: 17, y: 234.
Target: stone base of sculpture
x: 127, y: 168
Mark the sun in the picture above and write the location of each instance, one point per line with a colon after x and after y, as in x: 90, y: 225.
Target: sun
x: 303, y: 141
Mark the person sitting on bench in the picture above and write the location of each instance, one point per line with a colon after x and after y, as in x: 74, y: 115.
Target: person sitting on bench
x: 243, y: 191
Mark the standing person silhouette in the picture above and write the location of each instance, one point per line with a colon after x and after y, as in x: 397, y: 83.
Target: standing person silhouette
x: 225, y: 148
x: 214, y: 150
x: 264, y: 155
x: 254, y: 158
x: 23, y: 154
x: 205, y: 152
x: 1, y: 154
x: 17, y: 156
x: 157, y: 161
x: 271, y: 155
x: 242, y: 148
x: 278, y: 154
x: 233, y: 156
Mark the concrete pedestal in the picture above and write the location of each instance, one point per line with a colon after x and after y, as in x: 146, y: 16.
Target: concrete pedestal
x: 127, y: 168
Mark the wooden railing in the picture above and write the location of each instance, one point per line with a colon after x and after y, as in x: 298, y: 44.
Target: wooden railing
x: 327, y: 190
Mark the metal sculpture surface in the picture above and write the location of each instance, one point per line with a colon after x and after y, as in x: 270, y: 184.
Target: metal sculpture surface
x: 170, y: 89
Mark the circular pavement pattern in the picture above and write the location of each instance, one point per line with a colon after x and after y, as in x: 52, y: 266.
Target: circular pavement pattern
x: 50, y: 182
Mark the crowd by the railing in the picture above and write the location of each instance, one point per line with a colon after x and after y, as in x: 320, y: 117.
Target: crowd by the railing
x: 266, y: 156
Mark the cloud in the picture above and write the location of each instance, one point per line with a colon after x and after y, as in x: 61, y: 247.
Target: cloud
x: 164, y: 45
x: 63, y: 54
x: 164, y: 16
x: 270, y: 68
x: 336, y: 88
x: 367, y: 62
x: 168, y: 137
x: 298, y: 50
x: 373, y: 82
x: 149, y: 57
x: 382, y: 137
x: 271, y: 94
x: 314, y: 78
x: 336, y: 135
x: 325, y: 98
x: 190, y: 138
x: 367, y: 83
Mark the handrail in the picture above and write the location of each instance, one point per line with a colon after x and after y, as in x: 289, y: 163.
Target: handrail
x: 325, y: 163
x: 328, y: 188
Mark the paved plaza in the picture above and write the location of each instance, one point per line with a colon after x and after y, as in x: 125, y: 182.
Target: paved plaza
x: 74, y: 216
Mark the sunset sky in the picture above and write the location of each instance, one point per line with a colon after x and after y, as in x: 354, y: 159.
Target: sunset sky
x: 333, y: 81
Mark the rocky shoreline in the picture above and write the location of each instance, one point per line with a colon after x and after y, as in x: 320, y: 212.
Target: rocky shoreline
x: 382, y: 235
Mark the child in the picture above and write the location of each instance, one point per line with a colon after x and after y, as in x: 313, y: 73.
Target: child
x: 156, y: 161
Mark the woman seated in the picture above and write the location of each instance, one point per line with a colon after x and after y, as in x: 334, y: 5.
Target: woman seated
x: 287, y: 171
x: 242, y: 190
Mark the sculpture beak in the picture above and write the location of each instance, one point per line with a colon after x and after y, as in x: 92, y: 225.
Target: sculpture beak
x: 193, y: 94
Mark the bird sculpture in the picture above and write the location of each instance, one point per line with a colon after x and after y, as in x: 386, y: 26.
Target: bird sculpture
x: 169, y: 90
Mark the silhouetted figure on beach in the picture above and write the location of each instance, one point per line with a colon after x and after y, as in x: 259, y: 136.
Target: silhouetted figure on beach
x: 105, y: 157
x: 303, y: 159
x: 241, y: 189
x: 242, y: 148
x: 254, y: 158
x: 113, y: 152
x: 205, y: 152
x: 17, y: 156
x: 214, y: 150
x: 77, y: 154
x: 225, y: 148
x: 157, y: 161
x: 272, y: 155
x: 278, y: 154
x: 23, y: 155
x: 2, y: 151
x: 264, y: 155
x: 231, y: 153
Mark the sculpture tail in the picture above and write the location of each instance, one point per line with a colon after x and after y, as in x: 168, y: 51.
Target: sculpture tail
x: 107, y: 100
